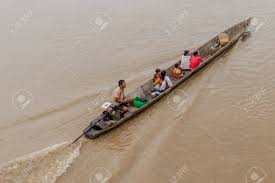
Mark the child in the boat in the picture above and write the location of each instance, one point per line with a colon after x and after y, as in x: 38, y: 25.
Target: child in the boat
x: 165, y: 84
x: 157, y: 81
x: 177, y: 72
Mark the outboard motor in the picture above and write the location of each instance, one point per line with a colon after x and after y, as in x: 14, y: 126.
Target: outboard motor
x: 111, y: 112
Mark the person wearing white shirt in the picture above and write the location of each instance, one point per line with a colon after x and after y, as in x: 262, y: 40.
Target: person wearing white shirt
x: 185, y: 60
x: 167, y: 83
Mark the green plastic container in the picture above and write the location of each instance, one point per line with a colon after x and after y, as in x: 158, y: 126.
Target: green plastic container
x: 138, y: 103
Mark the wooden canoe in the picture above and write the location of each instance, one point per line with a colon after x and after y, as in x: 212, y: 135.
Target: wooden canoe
x: 207, y: 51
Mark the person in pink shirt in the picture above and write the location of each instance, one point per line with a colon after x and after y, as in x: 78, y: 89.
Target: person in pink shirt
x: 195, y: 61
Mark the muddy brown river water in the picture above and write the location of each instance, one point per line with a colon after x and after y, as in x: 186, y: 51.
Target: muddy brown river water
x: 60, y: 60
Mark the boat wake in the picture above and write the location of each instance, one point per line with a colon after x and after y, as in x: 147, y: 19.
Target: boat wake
x: 43, y: 166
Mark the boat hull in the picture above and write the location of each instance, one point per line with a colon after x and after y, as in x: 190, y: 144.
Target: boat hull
x: 207, y: 51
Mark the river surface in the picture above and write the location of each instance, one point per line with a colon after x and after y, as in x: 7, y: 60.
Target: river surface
x: 60, y: 61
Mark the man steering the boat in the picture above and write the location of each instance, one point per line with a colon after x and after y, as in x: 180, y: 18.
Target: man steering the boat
x: 119, y: 98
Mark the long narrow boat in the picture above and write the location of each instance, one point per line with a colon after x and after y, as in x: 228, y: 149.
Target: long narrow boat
x: 209, y: 51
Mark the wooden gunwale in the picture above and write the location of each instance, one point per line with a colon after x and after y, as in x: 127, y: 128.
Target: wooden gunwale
x: 233, y: 40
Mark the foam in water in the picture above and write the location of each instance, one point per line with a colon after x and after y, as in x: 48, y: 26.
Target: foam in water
x: 43, y: 166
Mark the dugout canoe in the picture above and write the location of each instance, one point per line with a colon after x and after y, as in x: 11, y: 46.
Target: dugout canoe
x: 209, y: 51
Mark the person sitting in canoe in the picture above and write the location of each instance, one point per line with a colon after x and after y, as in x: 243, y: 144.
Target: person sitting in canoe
x: 195, y: 61
x: 185, y: 61
x: 177, y: 72
x: 119, y: 97
x: 157, y: 81
x: 157, y: 73
x: 166, y: 83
